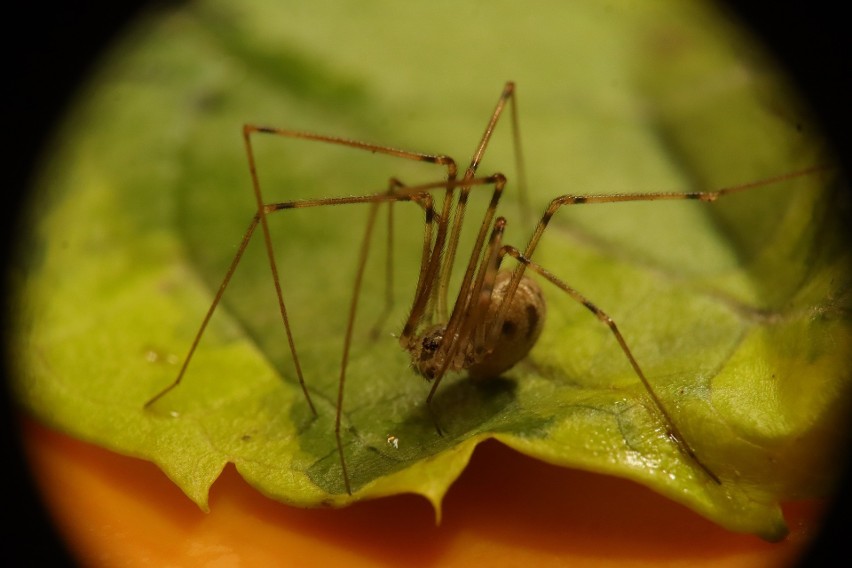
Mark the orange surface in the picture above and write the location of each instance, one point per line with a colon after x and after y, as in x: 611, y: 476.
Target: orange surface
x: 505, y: 510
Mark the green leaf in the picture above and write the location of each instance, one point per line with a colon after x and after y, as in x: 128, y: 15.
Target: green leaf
x: 738, y: 311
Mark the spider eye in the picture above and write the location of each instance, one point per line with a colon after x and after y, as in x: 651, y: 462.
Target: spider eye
x: 429, y: 346
x: 428, y: 361
x: 431, y: 342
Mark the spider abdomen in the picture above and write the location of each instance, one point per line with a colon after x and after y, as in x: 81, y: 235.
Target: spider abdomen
x: 491, y: 352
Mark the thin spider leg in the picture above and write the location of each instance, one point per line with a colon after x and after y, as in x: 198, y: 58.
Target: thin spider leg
x: 425, y: 295
x: 389, y: 256
x: 673, y: 431
x: 216, y: 299
x: 705, y: 196
x: 347, y: 341
x: 414, y: 193
x: 437, y: 159
x: 461, y: 205
x: 270, y: 254
x: 426, y: 202
x: 393, y: 183
x: 520, y: 164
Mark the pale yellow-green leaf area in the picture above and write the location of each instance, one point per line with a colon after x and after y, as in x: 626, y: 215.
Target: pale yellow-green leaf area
x: 737, y: 311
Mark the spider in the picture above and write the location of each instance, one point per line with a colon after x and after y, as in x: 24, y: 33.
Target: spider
x: 497, y: 315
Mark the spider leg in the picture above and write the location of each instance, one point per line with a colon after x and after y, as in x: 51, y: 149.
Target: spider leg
x: 671, y: 427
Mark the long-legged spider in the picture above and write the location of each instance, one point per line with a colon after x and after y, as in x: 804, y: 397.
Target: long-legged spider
x: 497, y: 315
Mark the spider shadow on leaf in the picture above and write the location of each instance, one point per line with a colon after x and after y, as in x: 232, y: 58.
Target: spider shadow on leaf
x: 383, y: 445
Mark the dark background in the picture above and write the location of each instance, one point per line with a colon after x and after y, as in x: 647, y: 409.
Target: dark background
x: 52, y: 50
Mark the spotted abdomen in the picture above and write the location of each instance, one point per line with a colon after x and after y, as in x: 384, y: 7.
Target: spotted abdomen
x: 491, y: 353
